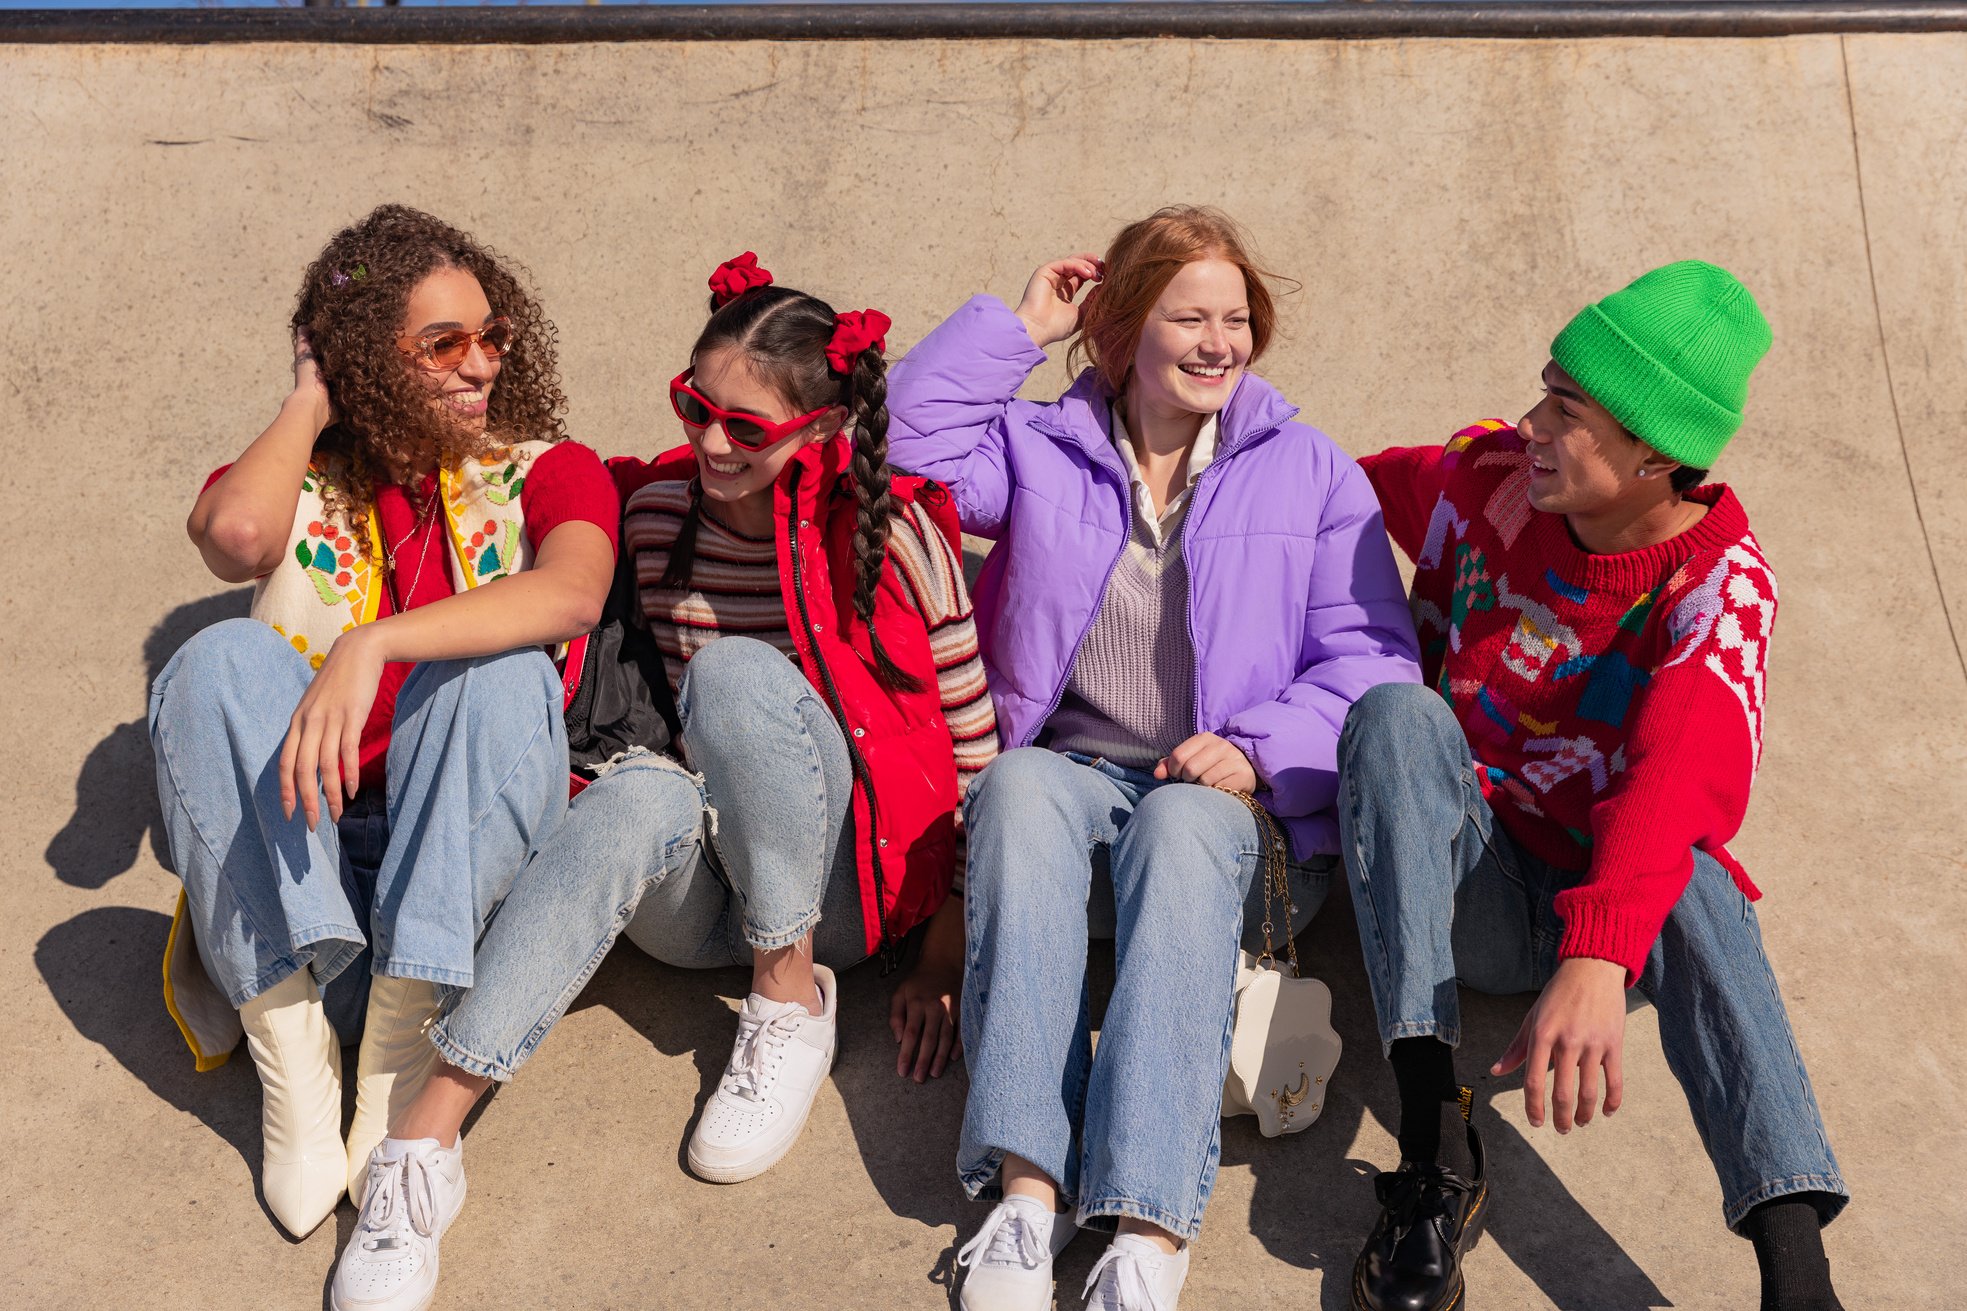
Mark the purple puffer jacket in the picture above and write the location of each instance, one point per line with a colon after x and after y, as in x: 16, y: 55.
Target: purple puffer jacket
x: 1295, y: 606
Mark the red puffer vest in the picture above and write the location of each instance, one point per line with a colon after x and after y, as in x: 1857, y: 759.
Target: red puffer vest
x: 904, y: 764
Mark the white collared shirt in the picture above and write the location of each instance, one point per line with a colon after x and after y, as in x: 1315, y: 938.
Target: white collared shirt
x: 1199, y: 456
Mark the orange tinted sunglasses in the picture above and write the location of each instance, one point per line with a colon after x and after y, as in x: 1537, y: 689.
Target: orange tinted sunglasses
x: 443, y: 351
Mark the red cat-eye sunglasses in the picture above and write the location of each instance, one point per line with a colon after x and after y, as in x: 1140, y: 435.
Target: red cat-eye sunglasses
x: 746, y: 431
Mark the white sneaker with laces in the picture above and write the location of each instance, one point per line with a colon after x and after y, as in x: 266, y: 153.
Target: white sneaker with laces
x: 1010, y: 1258
x: 1135, y: 1275
x: 413, y: 1192
x: 782, y: 1056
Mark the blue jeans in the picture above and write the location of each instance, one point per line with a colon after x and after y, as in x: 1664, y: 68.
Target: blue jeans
x: 1060, y: 848
x: 1443, y: 895
x: 753, y: 853
x: 477, y: 774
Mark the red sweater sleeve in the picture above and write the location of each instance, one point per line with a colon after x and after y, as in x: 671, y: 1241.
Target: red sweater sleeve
x: 1688, y: 762
x: 568, y: 482
x: 1408, y: 480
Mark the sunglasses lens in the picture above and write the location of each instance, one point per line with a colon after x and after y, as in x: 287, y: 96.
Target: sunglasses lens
x: 447, y: 349
x: 496, y: 340
x: 744, y: 432
x: 692, y: 410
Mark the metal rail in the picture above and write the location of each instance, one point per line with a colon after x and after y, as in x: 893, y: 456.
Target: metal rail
x: 550, y: 24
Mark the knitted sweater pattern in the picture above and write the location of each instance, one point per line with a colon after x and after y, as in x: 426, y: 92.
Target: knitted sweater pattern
x: 1613, y: 704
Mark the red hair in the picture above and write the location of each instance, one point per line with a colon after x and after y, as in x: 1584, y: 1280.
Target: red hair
x: 1140, y: 264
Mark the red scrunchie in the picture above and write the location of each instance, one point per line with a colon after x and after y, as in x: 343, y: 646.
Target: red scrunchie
x: 854, y: 332
x: 734, y: 277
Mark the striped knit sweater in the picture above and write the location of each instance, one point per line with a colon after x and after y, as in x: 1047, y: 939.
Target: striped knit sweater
x: 734, y: 590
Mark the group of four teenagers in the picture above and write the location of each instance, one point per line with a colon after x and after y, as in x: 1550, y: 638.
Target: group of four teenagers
x: 1527, y: 771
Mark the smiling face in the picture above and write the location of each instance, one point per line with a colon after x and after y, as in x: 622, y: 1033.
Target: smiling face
x: 1583, y: 461
x: 1196, y: 341
x: 731, y: 474
x: 451, y: 298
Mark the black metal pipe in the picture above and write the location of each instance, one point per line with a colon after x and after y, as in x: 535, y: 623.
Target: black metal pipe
x: 546, y: 24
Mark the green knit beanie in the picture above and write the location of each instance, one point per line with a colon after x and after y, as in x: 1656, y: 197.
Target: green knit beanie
x: 1669, y: 357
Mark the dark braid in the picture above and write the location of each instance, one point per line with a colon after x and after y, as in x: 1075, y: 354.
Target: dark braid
x: 877, y: 504
x: 683, y: 551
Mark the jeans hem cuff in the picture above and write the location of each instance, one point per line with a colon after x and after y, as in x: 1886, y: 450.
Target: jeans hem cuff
x: 1123, y: 1208
x: 1832, y: 1184
x: 456, y: 1056
x: 1392, y: 1033
x: 774, y: 941
x: 396, y: 969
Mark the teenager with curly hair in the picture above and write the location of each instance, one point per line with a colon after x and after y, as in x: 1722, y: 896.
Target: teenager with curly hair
x: 419, y: 530
x: 1189, y: 590
x: 812, y: 617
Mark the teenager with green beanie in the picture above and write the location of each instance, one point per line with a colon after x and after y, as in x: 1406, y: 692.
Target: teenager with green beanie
x: 1553, y: 813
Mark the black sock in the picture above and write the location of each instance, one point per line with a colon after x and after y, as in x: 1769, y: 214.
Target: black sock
x: 1424, y: 1071
x: 1789, y: 1247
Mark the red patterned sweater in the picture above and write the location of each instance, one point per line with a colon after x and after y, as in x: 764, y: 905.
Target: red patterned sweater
x: 1613, y: 703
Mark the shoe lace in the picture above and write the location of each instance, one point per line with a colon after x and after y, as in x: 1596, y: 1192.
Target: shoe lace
x: 760, y: 1047
x: 1415, y: 1195
x: 1004, y: 1238
x: 401, y: 1196
x: 1130, y: 1290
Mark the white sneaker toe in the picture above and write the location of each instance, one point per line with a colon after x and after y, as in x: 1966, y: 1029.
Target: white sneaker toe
x: 1010, y: 1258
x: 413, y: 1193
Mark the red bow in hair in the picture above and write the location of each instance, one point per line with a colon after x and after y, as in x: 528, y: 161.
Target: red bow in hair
x: 734, y: 277
x: 854, y: 332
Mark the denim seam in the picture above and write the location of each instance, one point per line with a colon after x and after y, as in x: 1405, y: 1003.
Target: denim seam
x: 395, y: 969
x: 1127, y: 1208
x: 519, y: 759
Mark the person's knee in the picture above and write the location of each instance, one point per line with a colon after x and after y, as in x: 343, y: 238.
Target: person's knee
x: 731, y: 679
x: 1396, y: 713
x: 229, y: 656
x: 643, y: 785
x: 1014, y: 784
x: 1182, y: 830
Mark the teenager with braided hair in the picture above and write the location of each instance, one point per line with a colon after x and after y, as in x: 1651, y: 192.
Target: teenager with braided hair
x: 813, y: 624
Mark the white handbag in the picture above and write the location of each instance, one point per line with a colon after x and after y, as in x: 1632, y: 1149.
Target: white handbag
x: 1282, y: 1046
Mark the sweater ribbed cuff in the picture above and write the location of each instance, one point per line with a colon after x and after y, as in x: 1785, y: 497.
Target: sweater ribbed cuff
x: 1599, y: 932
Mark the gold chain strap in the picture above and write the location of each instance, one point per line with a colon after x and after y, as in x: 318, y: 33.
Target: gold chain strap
x: 1275, y: 873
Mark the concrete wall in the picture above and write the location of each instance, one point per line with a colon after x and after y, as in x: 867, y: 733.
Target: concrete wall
x: 1446, y: 206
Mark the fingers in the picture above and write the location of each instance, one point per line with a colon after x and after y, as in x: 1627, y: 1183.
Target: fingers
x: 926, y: 1043
x: 1615, y: 1081
x: 351, y: 760
x: 1564, y: 1091
x: 1161, y: 768
x: 911, y: 1039
x: 1535, y: 1071
x: 1222, y: 771
x: 1514, y: 1054
x: 897, y: 1015
x: 303, y: 781
x: 946, y: 1046
x: 289, y: 750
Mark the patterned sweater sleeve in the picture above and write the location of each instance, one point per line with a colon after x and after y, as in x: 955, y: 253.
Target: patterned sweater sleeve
x: 934, y: 575
x: 1681, y: 779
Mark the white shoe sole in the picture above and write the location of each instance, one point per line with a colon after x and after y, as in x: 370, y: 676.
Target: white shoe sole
x: 737, y: 1172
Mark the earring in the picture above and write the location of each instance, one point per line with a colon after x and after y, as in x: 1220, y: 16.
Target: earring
x: 1642, y: 473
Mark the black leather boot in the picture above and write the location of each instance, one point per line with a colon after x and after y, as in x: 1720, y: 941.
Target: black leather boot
x: 1429, y: 1216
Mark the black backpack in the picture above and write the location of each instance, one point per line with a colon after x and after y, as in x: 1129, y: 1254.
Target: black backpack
x: 617, y: 692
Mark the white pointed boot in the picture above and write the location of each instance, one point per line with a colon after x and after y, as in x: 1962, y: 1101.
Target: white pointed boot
x: 396, y: 1059
x: 303, y: 1167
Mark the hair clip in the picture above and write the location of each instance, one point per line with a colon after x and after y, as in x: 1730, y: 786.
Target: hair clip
x: 337, y: 278
x: 734, y: 277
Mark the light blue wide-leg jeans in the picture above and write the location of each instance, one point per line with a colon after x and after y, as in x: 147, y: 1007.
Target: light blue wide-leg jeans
x: 1443, y: 895
x: 477, y: 776
x: 640, y: 852
x: 1134, y: 1128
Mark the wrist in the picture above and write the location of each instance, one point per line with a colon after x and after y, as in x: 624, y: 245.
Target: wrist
x: 310, y: 407
x: 1037, y: 334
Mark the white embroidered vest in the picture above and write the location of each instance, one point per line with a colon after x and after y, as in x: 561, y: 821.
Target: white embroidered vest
x: 324, y: 586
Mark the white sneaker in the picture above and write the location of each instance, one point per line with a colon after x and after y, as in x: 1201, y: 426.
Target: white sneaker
x: 781, y: 1058
x: 1135, y: 1275
x: 414, y: 1191
x: 1010, y: 1259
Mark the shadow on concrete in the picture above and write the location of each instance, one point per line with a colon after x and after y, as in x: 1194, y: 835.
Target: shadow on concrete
x: 1312, y: 1206
x: 116, y: 792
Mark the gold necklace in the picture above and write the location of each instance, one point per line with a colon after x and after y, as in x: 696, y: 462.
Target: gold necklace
x: 423, y: 552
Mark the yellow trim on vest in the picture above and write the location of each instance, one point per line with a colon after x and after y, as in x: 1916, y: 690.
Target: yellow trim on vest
x: 180, y: 918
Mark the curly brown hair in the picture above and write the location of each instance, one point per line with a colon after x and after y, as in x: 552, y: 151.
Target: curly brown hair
x: 352, y: 303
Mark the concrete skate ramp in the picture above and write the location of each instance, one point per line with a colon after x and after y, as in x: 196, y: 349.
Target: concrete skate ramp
x: 1446, y: 206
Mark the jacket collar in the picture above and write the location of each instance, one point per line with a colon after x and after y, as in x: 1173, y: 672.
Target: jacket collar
x: 1255, y: 410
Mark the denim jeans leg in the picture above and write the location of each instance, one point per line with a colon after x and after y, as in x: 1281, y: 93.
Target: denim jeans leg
x: 1036, y: 822
x: 1727, y: 1039
x: 265, y: 895
x: 635, y: 827
x: 1436, y: 886
x: 1182, y: 869
x: 477, y: 779
x: 781, y: 787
